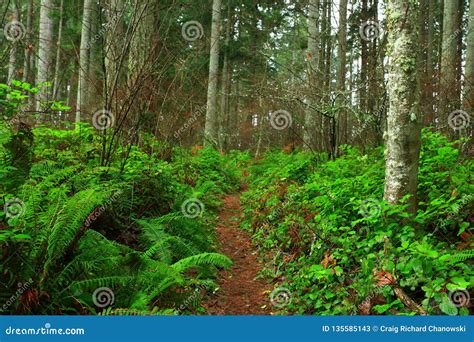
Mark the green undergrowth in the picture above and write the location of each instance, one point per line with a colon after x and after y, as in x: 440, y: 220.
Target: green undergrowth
x: 334, y: 241
x: 132, y: 237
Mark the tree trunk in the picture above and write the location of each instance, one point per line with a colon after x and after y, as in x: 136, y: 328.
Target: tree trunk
x: 328, y: 54
x: 58, y: 52
x: 94, y: 52
x: 82, y: 85
x: 143, y: 51
x: 469, y: 76
x: 372, y: 77
x: 235, y: 120
x: 29, y: 44
x: 363, y: 67
x: 113, y: 50
x: 211, y: 129
x: 12, y: 63
x: 449, y: 85
x: 428, y: 44
x: 141, y: 44
x: 341, y: 71
x: 329, y: 123
x: 226, y: 77
x: 404, y: 117
x: 44, y: 54
x: 310, y: 133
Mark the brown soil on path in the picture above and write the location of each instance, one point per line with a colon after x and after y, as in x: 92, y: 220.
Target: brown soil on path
x: 240, y: 292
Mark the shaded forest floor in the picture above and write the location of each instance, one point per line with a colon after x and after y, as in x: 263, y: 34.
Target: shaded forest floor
x: 241, y: 293
x: 331, y: 245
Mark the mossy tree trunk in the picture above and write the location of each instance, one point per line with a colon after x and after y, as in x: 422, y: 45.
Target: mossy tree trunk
x: 404, y: 117
x: 341, y: 70
x: 12, y: 63
x: 311, y: 116
x: 469, y: 74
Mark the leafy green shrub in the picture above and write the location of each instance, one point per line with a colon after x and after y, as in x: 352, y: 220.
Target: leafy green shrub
x: 331, y: 222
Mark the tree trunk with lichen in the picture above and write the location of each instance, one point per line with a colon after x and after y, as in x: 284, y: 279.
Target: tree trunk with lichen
x: 404, y: 117
x: 341, y: 71
x: 224, y: 132
x: 449, y: 75
x: 58, y: 52
x: 211, y: 129
x: 469, y: 76
x: 82, y: 84
x: 427, y: 44
x: 12, y: 63
x: 45, y: 65
x: 311, y: 116
x: 28, y: 43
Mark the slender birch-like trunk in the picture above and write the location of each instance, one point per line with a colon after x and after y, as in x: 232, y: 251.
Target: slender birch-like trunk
x: 45, y: 52
x: 211, y: 129
x: 58, y: 52
x: 82, y: 84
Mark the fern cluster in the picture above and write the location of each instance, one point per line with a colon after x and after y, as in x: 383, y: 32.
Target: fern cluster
x: 84, y: 227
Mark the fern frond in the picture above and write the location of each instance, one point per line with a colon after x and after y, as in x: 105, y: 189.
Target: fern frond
x: 458, y: 257
x: 69, y: 223
x: 93, y: 283
x: 203, y: 259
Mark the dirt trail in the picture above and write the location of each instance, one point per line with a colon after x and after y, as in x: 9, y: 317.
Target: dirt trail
x: 240, y: 293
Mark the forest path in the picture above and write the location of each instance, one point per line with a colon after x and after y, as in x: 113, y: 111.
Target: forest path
x: 240, y: 292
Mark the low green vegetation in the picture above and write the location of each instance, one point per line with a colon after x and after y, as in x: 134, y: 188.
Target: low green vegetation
x: 134, y: 233
x: 334, y: 242
x: 141, y: 227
